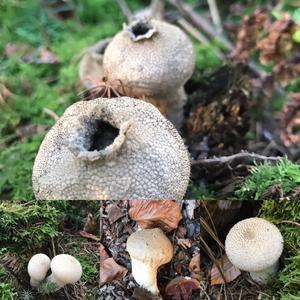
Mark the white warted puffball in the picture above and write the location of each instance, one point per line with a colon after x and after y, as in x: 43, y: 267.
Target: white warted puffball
x: 255, y: 245
x: 66, y: 269
x: 148, y: 249
x: 37, y: 268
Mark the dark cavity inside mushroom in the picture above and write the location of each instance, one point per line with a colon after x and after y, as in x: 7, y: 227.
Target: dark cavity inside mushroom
x: 140, y: 29
x: 103, y: 136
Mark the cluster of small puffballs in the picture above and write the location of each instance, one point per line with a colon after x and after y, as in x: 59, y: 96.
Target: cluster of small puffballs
x: 255, y: 245
x: 65, y: 268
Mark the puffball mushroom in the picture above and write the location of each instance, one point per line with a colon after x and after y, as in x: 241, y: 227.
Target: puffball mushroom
x: 150, y: 57
x: 148, y: 249
x: 152, y: 60
x: 255, y: 245
x: 118, y: 148
x: 66, y: 269
x: 37, y: 268
x: 91, y: 67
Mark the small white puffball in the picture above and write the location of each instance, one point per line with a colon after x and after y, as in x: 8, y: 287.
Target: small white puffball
x: 37, y: 268
x: 148, y: 249
x: 255, y: 245
x: 65, y: 269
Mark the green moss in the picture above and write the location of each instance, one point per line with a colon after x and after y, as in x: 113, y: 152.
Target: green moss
x: 284, y: 174
x: 286, y: 216
x: 26, y: 227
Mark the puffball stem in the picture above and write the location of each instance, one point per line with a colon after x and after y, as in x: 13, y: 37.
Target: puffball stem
x: 34, y: 283
x: 145, y: 275
x: 57, y: 284
x: 263, y: 276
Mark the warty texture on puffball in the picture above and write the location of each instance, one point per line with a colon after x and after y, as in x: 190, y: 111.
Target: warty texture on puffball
x: 118, y: 148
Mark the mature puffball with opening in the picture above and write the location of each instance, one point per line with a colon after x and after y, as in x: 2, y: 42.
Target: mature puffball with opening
x: 148, y: 249
x: 37, y: 268
x: 66, y: 269
x: 255, y: 245
x: 119, y: 148
x: 150, y: 58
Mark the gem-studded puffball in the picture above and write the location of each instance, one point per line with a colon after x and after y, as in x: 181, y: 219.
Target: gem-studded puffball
x: 149, y: 58
x: 119, y: 148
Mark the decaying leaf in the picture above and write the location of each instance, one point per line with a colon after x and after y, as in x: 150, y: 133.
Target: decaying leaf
x: 184, y: 243
x: 288, y: 119
x: 165, y: 214
x: 110, y: 270
x: 114, y: 213
x: 251, y: 29
x: 4, y: 93
x: 90, y: 224
x: 194, y: 266
x: 229, y: 270
x: 181, y: 288
x: 103, y: 253
x: 41, y: 56
x: 278, y: 45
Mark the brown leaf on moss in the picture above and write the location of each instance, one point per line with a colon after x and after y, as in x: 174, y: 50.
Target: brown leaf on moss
x: 181, y: 288
x: 165, y: 214
x: 251, y: 29
x: 278, y: 45
x: 110, y: 271
x: 4, y: 93
x: 230, y: 272
x: 289, y: 121
x: 41, y: 56
x: 89, y: 235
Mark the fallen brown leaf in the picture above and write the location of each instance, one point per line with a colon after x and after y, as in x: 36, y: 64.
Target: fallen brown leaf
x: 90, y: 224
x: 230, y: 271
x: 41, y: 56
x: 181, y: 288
x: 110, y: 271
x: 184, y: 243
x: 114, y: 213
x: 165, y: 214
x: 194, y: 266
x: 4, y: 93
x: 103, y: 253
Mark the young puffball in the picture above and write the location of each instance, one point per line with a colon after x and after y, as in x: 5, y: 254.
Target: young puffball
x: 65, y: 269
x: 148, y: 249
x: 255, y: 245
x: 37, y: 268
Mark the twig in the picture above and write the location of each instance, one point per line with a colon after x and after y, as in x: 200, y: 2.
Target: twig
x: 200, y: 22
x: 215, y: 15
x: 234, y: 160
x: 125, y: 9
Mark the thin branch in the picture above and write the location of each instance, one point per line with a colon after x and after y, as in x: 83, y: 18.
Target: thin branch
x: 125, y: 9
x: 234, y: 160
x: 214, y: 11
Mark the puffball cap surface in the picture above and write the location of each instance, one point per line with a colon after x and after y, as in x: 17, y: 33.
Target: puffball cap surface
x: 155, y: 64
x: 151, y: 161
x: 66, y: 268
x: 150, y: 246
x: 254, y: 244
x: 38, y: 266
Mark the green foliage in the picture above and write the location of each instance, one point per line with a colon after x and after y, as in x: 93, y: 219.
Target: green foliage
x: 200, y: 191
x: 285, y: 174
x: 206, y: 58
x: 25, y: 227
x: 7, y: 292
x: 286, y: 216
x: 16, y: 164
x: 89, y: 268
